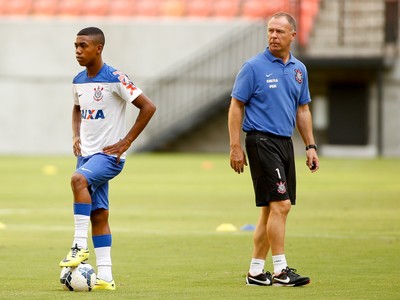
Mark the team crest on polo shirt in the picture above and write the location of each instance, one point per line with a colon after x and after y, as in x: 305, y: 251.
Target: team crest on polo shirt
x: 281, y: 187
x: 98, y: 94
x: 298, y: 76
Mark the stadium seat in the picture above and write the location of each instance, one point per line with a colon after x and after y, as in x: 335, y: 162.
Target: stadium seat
x: 45, y: 7
x: 310, y: 7
x: 2, y: 7
x: 17, y: 7
x: 279, y: 6
x: 308, y: 11
x: 226, y: 8
x: 256, y: 9
x: 305, y: 24
x: 122, y: 8
x: 95, y: 7
x: 199, y: 8
x: 304, y: 29
x: 70, y: 7
x: 147, y: 8
x: 253, y: 9
x: 173, y: 8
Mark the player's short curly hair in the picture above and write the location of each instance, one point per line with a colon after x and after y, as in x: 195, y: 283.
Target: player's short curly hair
x: 95, y: 32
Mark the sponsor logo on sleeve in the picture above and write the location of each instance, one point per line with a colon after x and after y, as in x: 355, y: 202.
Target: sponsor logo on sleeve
x: 126, y: 82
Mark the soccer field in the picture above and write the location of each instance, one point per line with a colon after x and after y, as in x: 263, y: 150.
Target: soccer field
x: 344, y: 233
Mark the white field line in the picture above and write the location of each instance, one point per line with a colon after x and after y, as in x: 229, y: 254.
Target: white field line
x: 141, y: 231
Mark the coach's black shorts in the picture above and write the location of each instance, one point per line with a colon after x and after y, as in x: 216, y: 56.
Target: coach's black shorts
x: 272, y: 167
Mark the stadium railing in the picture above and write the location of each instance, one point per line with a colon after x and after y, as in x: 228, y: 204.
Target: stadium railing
x: 201, y: 86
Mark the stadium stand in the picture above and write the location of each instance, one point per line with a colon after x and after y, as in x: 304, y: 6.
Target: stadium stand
x: 17, y: 7
x: 69, y: 7
x: 173, y: 8
x: 147, y: 8
x: 95, y: 7
x: 256, y: 9
x: 44, y: 7
x: 154, y: 8
x: 249, y: 9
x: 253, y: 9
x: 310, y: 7
x: 199, y: 8
x: 308, y: 12
x: 226, y: 8
x: 122, y: 8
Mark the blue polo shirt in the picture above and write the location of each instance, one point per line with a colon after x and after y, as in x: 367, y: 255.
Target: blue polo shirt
x: 272, y: 92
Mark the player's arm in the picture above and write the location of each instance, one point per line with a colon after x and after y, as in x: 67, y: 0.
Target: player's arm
x: 76, y: 129
x: 146, y: 111
x: 235, y: 119
x: 304, y: 126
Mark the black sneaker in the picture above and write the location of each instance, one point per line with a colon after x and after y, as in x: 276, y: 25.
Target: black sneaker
x: 261, y: 279
x: 288, y: 277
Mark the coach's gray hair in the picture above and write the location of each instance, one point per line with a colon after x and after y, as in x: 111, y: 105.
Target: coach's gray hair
x: 288, y: 17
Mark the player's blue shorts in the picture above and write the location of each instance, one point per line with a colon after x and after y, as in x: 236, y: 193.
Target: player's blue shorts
x: 98, y: 169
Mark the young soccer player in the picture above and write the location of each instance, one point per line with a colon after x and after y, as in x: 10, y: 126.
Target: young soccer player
x: 100, y: 143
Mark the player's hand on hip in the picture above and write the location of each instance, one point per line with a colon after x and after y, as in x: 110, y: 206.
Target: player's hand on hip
x: 238, y: 159
x: 117, y: 149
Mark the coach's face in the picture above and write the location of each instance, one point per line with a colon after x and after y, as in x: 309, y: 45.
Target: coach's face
x: 87, y: 50
x: 280, y: 36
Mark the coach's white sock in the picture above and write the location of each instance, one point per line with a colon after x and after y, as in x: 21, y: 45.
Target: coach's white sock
x: 256, y: 266
x: 279, y: 262
x: 103, y: 261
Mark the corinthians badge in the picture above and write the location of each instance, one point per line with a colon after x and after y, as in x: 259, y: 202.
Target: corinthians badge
x: 298, y: 76
x: 98, y: 95
x: 281, y: 187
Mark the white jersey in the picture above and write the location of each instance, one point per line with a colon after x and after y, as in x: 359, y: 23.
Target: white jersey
x: 103, y: 100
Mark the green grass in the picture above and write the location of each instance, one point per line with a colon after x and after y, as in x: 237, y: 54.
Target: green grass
x: 344, y: 233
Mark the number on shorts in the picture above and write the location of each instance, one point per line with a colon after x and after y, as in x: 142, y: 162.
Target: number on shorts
x: 279, y: 173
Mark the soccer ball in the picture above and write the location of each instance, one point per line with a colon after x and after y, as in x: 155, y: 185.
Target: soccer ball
x: 79, y: 279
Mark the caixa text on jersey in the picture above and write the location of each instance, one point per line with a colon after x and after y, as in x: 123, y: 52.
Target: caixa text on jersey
x: 92, y: 114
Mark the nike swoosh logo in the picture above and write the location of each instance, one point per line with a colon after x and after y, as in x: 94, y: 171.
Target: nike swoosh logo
x: 269, y: 74
x: 286, y: 280
x: 266, y: 282
x: 84, y: 169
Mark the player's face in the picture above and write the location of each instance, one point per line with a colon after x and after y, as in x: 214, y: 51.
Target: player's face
x: 280, y: 35
x: 87, y: 50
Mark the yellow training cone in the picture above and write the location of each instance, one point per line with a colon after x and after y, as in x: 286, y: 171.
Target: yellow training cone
x: 49, y: 170
x: 226, y: 227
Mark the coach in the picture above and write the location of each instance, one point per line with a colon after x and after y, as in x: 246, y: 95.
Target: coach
x: 270, y: 96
